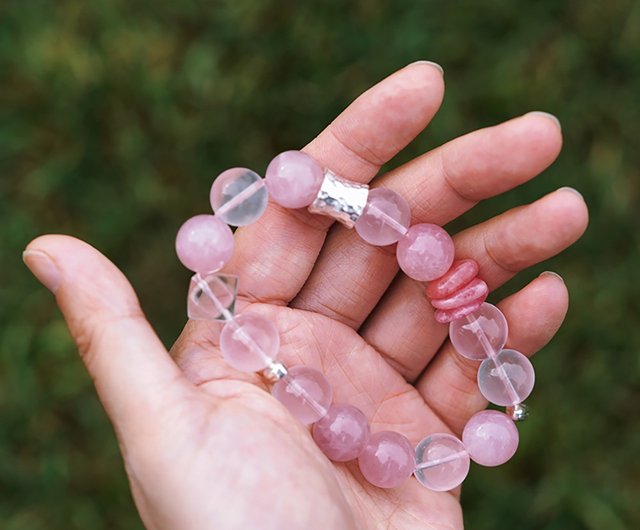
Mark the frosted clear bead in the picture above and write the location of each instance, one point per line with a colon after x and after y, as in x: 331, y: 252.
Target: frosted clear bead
x: 249, y: 342
x: 305, y: 392
x: 212, y: 296
x: 506, y: 380
x: 483, y: 330
x: 385, y: 219
x: 239, y: 196
x: 442, y: 462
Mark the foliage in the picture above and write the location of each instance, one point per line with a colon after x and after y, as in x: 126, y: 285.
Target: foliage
x: 115, y: 115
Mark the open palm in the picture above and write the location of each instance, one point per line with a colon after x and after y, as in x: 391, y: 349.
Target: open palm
x: 206, y: 446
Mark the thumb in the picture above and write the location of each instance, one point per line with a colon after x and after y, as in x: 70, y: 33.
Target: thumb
x: 132, y: 371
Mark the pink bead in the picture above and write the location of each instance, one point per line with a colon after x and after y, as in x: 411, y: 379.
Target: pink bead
x: 491, y: 438
x: 293, y: 179
x: 459, y: 275
x: 387, y: 460
x: 425, y: 252
x: 204, y: 244
x: 444, y: 317
x: 342, y: 433
x: 385, y: 219
x: 479, y: 333
x: 442, y: 462
x: 305, y: 392
x: 473, y: 291
x: 249, y: 342
x: 506, y: 380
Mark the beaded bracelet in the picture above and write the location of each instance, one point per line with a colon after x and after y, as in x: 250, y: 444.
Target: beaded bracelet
x: 425, y: 252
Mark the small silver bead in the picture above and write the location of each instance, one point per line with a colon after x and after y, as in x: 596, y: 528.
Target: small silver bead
x: 519, y: 412
x: 340, y: 199
x: 275, y: 371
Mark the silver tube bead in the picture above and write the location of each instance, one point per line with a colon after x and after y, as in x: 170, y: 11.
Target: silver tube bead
x: 275, y: 371
x: 340, y: 199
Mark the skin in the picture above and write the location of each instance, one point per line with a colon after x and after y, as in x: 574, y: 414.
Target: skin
x: 205, y: 446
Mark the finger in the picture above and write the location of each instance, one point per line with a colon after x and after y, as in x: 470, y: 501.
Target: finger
x: 351, y: 276
x: 275, y: 255
x: 449, y: 384
x: 133, y: 374
x: 502, y: 246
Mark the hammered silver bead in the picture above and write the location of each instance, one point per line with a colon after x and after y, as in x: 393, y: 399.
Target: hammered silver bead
x: 275, y: 371
x: 519, y: 412
x: 340, y: 199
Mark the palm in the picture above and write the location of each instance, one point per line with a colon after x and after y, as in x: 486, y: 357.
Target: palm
x: 206, y: 446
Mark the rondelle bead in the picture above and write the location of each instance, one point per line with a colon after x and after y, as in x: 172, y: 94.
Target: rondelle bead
x: 305, y: 392
x: 387, y: 460
x: 293, y: 179
x: 385, y: 219
x: 476, y: 289
x: 239, y: 196
x: 442, y: 463
x: 204, y: 244
x: 484, y: 329
x: 506, y: 380
x: 450, y: 315
x: 249, y: 342
x: 459, y: 275
x: 425, y: 252
x: 342, y: 433
x: 491, y: 438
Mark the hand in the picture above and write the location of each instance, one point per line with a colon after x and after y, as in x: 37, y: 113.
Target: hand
x: 208, y: 447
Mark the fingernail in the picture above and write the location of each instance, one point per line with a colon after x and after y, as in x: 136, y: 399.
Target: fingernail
x: 430, y: 63
x: 551, y: 273
x: 572, y: 190
x: 43, y: 268
x: 547, y: 115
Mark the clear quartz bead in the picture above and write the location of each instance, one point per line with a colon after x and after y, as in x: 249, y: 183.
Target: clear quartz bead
x: 442, y: 462
x: 507, y: 378
x: 385, y: 218
x: 249, y: 342
x: 239, y: 196
x: 480, y: 334
x: 305, y: 392
x: 212, y: 296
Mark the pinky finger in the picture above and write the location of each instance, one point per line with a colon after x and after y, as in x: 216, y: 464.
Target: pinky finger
x: 535, y: 313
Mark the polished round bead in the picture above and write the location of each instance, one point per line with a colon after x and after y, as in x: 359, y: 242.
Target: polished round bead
x: 342, y: 433
x: 480, y: 332
x: 305, y: 392
x: 249, y: 342
x: 239, y: 196
x: 385, y: 219
x: 442, y: 462
x: 387, y: 460
x: 507, y: 380
x: 476, y: 289
x: 294, y: 178
x: 450, y: 315
x: 490, y: 437
x: 204, y: 244
x: 459, y: 275
x: 425, y: 252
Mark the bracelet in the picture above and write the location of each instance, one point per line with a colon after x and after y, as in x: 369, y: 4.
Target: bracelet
x: 425, y: 252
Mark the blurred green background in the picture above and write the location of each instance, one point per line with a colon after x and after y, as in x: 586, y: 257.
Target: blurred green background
x: 115, y: 115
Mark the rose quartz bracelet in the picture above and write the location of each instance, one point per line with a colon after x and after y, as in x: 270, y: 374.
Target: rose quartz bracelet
x: 425, y: 252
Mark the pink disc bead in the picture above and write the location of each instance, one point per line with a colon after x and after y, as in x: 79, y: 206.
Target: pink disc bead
x: 387, y: 460
x: 385, y: 218
x: 506, y: 380
x: 425, y: 252
x: 474, y: 290
x: 249, y: 342
x: 445, y: 317
x: 293, y: 179
x: 479, y: 333
x: 491, y: 438
x: 305, y: 392
x: 204, y: 244
x: 343, y: 433
x: 459, y: 275
x: 442, y: 462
